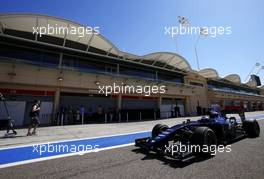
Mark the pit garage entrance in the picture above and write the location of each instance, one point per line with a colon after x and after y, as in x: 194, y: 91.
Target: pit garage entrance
x: 169, y: 105
x: 113, y: 108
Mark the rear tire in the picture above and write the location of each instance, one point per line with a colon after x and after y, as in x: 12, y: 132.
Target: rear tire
x: 157, y: 129
x: 251, y: 128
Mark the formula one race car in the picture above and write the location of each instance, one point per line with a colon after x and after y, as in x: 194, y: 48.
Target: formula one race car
x: 210, y: 131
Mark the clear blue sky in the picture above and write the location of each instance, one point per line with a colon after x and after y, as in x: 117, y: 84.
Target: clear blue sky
x: 137, y: 26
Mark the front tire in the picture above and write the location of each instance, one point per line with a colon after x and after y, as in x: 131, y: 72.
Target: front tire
x: 157, y: 129
x: 204, y: 137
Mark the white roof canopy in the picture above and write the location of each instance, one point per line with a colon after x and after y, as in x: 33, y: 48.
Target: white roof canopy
x: 26, y: 22
x: 209, y: 73
x: 233, y: 78
x: 172, y: 59
x: 130, y: 56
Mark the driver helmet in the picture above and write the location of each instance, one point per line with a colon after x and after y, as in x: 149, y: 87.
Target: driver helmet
x: 213, y: 114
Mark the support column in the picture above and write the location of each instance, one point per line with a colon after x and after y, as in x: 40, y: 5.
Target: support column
x: 119, y: 106
x: 119, y: 102
x: 56, y: 102
x: 249, y: 106
x: 159, y: 102
x: 223, y: 104
x: 242, y: 104
x: 187, y: 106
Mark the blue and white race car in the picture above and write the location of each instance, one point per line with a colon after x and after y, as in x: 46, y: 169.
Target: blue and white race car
x: 214, y: 130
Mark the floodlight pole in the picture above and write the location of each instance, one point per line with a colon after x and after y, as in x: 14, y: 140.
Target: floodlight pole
x: 183, y: 21
x: 196, y: 54
x: 201, y: 33
x: 177, y: 47
x: 253, y: 68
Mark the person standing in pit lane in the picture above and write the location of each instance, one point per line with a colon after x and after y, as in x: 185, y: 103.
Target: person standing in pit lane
x: 34, y: 115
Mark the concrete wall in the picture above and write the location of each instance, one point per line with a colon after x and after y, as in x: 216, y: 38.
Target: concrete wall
x: 24, y: 76
x: 199, y: 96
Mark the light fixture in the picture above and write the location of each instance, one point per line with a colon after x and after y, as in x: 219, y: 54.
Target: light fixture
x: 97, y: 82
x: 183, y: 21
x: 60, y: 78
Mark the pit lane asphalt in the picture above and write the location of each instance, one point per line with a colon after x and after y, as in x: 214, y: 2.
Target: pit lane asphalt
x: 246, y: 160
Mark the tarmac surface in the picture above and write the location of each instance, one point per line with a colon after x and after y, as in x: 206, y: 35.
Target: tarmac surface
x: 246, y: 160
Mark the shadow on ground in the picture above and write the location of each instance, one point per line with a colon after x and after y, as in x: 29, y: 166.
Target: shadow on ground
x: 169, y: 161
x: 12, y: 136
